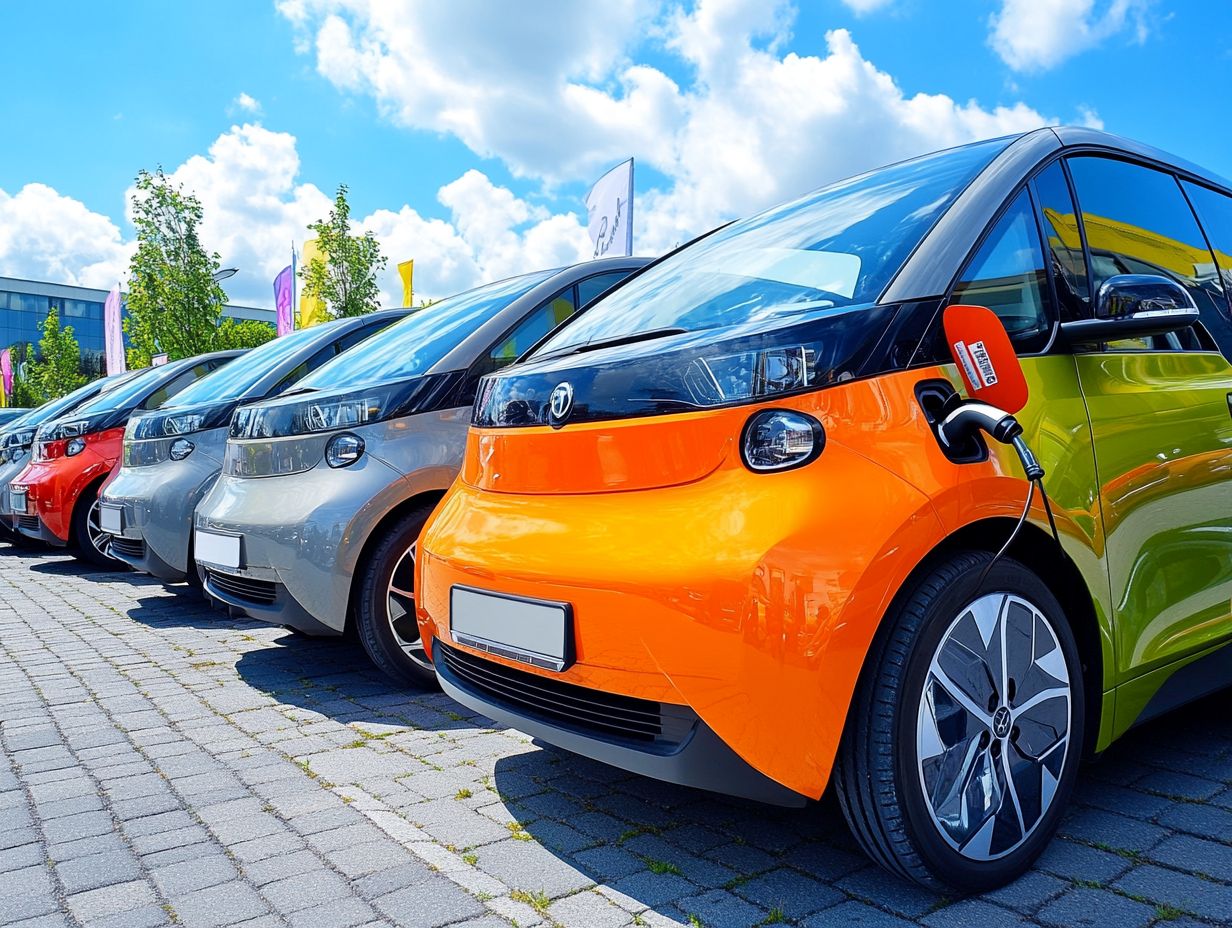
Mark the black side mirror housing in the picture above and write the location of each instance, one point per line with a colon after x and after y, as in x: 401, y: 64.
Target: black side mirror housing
x: 1134, y: 306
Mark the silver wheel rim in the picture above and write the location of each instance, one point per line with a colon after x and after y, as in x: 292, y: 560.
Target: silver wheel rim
x: 99, y: 540
x: 993, y: 726
x: 400, y: 608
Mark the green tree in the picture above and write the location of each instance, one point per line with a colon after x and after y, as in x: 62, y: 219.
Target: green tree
x: 55, y: 371
x: 174, y: 302
x: 345, y: 279
x: 244, y: 333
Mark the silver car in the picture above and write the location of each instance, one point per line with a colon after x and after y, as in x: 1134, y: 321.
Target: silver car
x: 324, y: 490
x: 172, y: 456
x: 17, y: 438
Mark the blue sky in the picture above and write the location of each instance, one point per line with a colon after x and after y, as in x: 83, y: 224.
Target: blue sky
x: 468, y: 133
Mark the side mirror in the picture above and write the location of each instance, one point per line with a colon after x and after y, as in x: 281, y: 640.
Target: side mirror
x: 1134, y: 306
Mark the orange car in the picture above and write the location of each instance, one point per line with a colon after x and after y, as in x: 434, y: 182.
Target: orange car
x: 55, y: 499
x: 737, y: 528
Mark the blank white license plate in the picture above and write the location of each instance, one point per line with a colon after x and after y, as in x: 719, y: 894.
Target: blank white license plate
x: 17, y: 500
x: 531, y: 631
x: 223, y: 550
x: 110, y: 518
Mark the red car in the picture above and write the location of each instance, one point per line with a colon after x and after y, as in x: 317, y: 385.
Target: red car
x: 55, y: 498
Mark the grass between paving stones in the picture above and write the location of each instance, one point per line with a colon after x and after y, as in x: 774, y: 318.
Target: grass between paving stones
x: 538, y: 901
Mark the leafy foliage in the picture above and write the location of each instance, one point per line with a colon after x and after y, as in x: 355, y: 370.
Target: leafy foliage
x: 174, y: 302
x: 243, y: 333
x: 53, y: 372
x: 345, y: 279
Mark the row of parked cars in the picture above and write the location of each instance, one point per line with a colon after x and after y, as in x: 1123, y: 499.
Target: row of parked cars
x: 726, y: 518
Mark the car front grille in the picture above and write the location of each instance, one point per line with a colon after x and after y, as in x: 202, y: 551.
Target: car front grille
x: 29, y: 523
x: 128, y: 547
x: 260, y: 592
x: 606, y: 715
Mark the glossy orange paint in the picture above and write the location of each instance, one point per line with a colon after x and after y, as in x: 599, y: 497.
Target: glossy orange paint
x: 53, y: 486
x: 752, y: 598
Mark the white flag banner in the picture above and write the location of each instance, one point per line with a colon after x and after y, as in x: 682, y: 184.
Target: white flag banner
x: 609, y: 211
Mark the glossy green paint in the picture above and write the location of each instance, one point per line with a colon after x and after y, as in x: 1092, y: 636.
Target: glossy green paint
x: 1138, y: 452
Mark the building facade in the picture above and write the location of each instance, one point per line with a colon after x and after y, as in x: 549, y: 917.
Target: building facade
x: 24, y: 305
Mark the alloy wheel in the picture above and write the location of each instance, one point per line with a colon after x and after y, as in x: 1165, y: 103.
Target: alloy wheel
x: 99, y: 540
x: 400, y: 608
x: 993, y: 726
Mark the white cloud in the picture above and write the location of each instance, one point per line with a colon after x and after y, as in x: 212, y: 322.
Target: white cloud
x: 753, y: 125
x: 47, y: 236
x: 255, y: 206
x: 1034, y: 35
x: 247, y: 104
x: 860, y: 7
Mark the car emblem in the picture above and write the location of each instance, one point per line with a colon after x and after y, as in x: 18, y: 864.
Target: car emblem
x: 560, y: 403
x: 1001, y: 722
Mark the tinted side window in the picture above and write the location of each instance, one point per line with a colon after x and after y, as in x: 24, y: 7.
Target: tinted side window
x: 542, y: 320
x: 1008, y: 276
x: 1060, y: 222
x: 1215, y: 212
x: 168, y: 390
x: 593, y: 287
x: 304, y: 368
x: 1137, y: 222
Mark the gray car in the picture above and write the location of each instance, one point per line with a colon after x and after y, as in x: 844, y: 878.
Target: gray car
x: 17, y: 437
x: 323, y: 491
x: 172, y: 456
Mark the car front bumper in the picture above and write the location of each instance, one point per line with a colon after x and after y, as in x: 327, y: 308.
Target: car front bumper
x: 297, y: 556
x: 157, y: 503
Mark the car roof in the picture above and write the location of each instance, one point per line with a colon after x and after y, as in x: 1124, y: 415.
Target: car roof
x: 931, y: 268
x: 468, y: 350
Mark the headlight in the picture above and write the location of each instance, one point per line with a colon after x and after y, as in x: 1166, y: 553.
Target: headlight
x: 343, y: 450
x: 16, y: 454
x: 272, y: 458
x: 780, y: 439
x: 75, y: 446
x: 315, y: 414
x: 181, y: 448
x: 171, y: 423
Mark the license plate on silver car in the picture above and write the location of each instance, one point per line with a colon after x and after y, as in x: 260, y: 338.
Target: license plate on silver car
x: 535, y: 632
x: 223, y: 550
x: 110, y: 518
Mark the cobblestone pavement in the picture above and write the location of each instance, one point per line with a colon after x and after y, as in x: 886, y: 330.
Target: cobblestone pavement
x: 166, y: 765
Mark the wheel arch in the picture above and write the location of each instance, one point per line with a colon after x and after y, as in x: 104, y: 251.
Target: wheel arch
x: 423, y: 498
x: 1037, y: 550
x: 93, y: 481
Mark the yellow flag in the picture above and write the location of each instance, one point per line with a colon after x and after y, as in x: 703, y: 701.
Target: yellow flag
x: 311, y: 309
x: 405, y: 270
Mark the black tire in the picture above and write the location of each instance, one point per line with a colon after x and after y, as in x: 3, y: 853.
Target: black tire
x: 372, y: 611
x: 879, y: 774
x: 82, y: 546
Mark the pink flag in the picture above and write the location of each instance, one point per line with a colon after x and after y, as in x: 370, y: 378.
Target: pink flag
x: 113, y: 334
x: 6, y: 368
x: 282, y: 298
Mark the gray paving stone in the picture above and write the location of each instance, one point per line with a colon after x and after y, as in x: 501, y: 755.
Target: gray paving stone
x: 82, y: 873
x: 417, y: 905
x: 855, y: 914
x: 341, y: 913
x: 224, y: 904
x: 28, y: 893
x: 1095, y: 908
x: 1028, y: 892
x: 790, y: 892
x: 526, y: 865
x: 589, y: 909
x: 882, y: 889
x: 110, y: 900
x: 973, y: 913
x: 1179, y: 890
x: 315, y: 887
x: 721, y: 909
x: 1185, y: 852
x: 197, y: 872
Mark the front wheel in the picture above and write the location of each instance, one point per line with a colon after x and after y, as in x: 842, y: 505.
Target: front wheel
x: 966, y: 729
x: 385, y: 604
x: 92, y: 544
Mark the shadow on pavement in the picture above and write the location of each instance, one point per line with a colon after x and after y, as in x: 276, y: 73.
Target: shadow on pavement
x: 685, y: 852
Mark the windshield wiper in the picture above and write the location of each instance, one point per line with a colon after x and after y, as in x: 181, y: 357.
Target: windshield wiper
x: 646, y: 336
